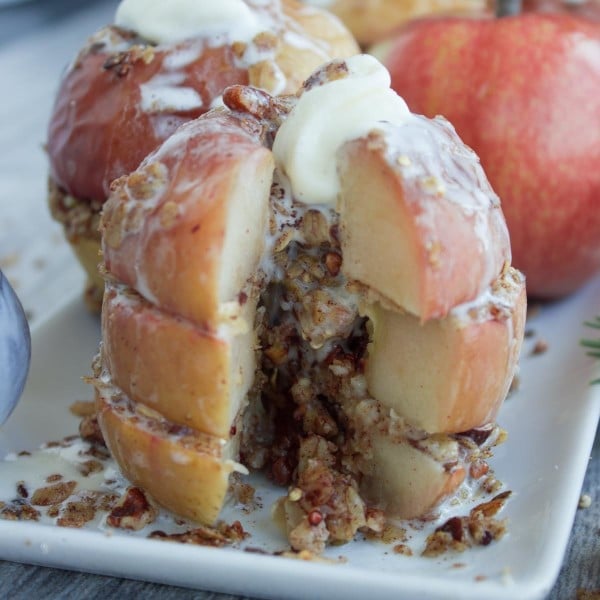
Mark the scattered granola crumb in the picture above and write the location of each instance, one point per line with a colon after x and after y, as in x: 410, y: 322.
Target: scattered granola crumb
x: 19, y: 510
x: 133, y: 511
x: 22, y: 490
x: 585, y: 501
x: 90, y: 466
x: 478, y: 528
x: 403, y: 549
x: 221, y: 535
x: 243, y: 492
x: 53, y: 494
x: 541, y: 346
x: 53, y: 477
x: 76, y: 514
x: 480, y: 578
x: 388, y: 534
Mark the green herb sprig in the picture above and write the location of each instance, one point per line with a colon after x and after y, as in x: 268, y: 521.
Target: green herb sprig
x: 593, y: 345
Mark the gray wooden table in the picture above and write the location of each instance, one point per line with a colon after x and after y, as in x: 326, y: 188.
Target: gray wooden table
x: 36, y: 40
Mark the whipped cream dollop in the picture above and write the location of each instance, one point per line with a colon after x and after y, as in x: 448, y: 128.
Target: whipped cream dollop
x: 173, y: 21
x: 326, y: 116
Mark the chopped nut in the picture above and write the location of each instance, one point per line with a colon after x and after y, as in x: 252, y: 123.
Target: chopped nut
x: 479, y: 528
x: 83, y: 408
x: 333, y: 262
x: 493, y: 506
x: 585, y: 501
x: 478, y: 468
x: 133, y: 511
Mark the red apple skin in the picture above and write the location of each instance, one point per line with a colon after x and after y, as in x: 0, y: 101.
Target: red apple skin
x: 524, y: 93
x: 588, y: 10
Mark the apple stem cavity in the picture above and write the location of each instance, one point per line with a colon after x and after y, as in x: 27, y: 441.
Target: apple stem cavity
x: 507, y: 8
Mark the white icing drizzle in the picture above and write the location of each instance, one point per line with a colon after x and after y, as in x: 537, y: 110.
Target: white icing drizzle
x: 448, y: 171
x: 166, y: 98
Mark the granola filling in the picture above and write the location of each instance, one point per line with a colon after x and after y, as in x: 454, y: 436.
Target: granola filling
x: 310, y: 420
x: 80, y: 218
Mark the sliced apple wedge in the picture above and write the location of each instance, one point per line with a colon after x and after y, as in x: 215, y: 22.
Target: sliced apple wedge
x: 204, y: 382
x: 452, y: 374
x: 182, y: 469
x: 419, y: 223
x: 405, y: 480
x: 186, y: 230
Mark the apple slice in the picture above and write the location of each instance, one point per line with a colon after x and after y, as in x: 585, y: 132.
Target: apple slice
x: 206, y: 378
x: 182, y: 469
x: 405, y: 480
x: 419, y: 223
x: 452, y: 374
x: 187, y: 230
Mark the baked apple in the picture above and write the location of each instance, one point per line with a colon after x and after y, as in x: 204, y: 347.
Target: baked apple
x: 241, y: 329
x: 160, y: 65
x: 373, y: 20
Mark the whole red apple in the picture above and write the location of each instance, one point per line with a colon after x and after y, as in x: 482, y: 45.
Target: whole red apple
x: 524, y: 93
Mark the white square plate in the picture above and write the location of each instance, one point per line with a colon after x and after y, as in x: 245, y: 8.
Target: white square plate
x: 551, y: 422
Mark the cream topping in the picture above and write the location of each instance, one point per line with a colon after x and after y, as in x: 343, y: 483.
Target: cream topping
x: 178, y: 20
x: 326, y: 116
